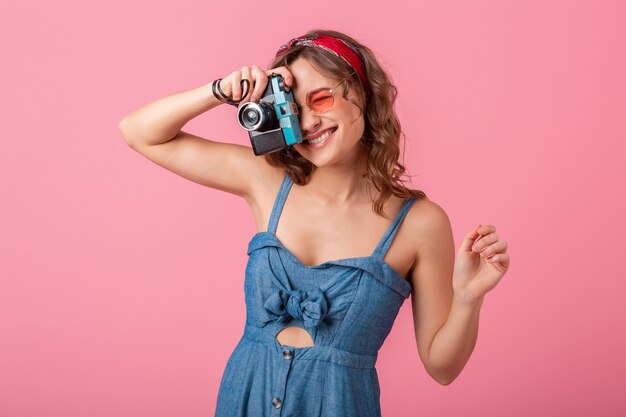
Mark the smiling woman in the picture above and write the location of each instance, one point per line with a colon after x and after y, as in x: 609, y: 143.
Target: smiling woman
x: 341, y: 241
x: 373, y: 96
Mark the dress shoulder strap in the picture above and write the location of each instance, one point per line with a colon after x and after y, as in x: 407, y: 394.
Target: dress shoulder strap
x: 385, y: 242
x: 279, y: 202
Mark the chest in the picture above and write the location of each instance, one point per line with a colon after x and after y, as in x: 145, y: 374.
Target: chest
x: 315, y: 233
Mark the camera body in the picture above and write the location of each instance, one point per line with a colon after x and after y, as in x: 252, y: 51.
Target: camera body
x: 272, y: 123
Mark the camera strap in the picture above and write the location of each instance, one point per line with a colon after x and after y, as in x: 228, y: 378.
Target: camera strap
x: 221, y: 96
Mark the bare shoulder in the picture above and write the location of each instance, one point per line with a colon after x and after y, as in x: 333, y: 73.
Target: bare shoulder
x: 428, y: 223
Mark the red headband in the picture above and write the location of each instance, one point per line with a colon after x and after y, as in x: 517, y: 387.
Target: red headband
x: 338, y: 47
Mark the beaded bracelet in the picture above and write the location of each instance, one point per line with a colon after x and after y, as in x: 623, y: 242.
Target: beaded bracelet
x: 223, y: 97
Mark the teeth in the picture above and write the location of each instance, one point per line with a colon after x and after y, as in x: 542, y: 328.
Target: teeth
x: 321, y: 138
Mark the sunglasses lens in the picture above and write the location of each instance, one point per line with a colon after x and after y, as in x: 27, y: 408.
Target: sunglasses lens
x: 321, y: 101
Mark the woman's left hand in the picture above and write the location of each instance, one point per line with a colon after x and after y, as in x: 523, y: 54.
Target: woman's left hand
x: 480, y: 264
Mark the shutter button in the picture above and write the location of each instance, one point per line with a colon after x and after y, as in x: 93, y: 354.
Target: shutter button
x: 287, y: 354
x: 277, y: 403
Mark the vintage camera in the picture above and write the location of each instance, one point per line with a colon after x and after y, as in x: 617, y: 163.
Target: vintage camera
x: 272, y: 123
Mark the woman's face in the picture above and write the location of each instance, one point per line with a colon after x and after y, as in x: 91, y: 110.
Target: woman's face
x: 344, y: 119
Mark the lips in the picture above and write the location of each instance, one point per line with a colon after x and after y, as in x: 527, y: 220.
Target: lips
x: 318, y: 134
x: 321, y: 140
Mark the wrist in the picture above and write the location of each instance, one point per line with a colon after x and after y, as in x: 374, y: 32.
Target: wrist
x: 467, y: 299
x: 220, y: 91
x: 206, y: 91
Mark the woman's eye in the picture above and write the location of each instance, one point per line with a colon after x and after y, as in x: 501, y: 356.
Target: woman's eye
x: 320, y: 100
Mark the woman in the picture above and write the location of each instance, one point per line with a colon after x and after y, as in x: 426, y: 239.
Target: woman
x: 324, y: 284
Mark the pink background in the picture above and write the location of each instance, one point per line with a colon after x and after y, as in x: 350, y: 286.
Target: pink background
x: 121, y: 289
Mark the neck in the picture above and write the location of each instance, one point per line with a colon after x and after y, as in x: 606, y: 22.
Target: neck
x: 341, y: 184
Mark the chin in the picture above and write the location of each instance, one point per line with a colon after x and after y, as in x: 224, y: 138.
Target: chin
x: 317, y: 160
x: 321, y: 161
x: 331, y: 154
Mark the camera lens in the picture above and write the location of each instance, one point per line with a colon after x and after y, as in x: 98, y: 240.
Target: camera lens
x: 255, y: 116
x: 250, y: 117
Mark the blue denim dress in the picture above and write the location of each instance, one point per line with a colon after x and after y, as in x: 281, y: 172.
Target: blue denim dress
x: 348, y: 306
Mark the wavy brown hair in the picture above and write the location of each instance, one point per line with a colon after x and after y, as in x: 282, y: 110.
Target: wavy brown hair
x: 381, y: 136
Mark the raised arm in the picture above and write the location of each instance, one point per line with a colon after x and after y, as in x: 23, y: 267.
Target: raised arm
x: 154, y: 131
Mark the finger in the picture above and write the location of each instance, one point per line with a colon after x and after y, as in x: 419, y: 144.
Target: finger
x: 484, y: 241
x: 494, y: 248
x: 468, y: 240
x: 225, y: 85
x: 260, y: 83
x: 245, y: 75
x: 485, y: 229
x: 501, y: 258
x: 235, y: 85
x: 284, y: 72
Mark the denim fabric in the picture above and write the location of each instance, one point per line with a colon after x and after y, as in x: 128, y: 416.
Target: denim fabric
x: 348, y: 306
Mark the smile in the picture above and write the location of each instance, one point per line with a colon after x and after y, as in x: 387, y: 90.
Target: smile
x: 321, y: 140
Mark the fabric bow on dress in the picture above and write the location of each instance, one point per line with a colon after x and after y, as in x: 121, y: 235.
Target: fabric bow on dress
x: 283, y: 305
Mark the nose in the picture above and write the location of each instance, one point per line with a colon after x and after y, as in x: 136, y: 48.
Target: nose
x: 309, y: 121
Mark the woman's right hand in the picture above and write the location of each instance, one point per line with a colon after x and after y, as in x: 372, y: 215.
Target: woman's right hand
x: 232, y: 86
